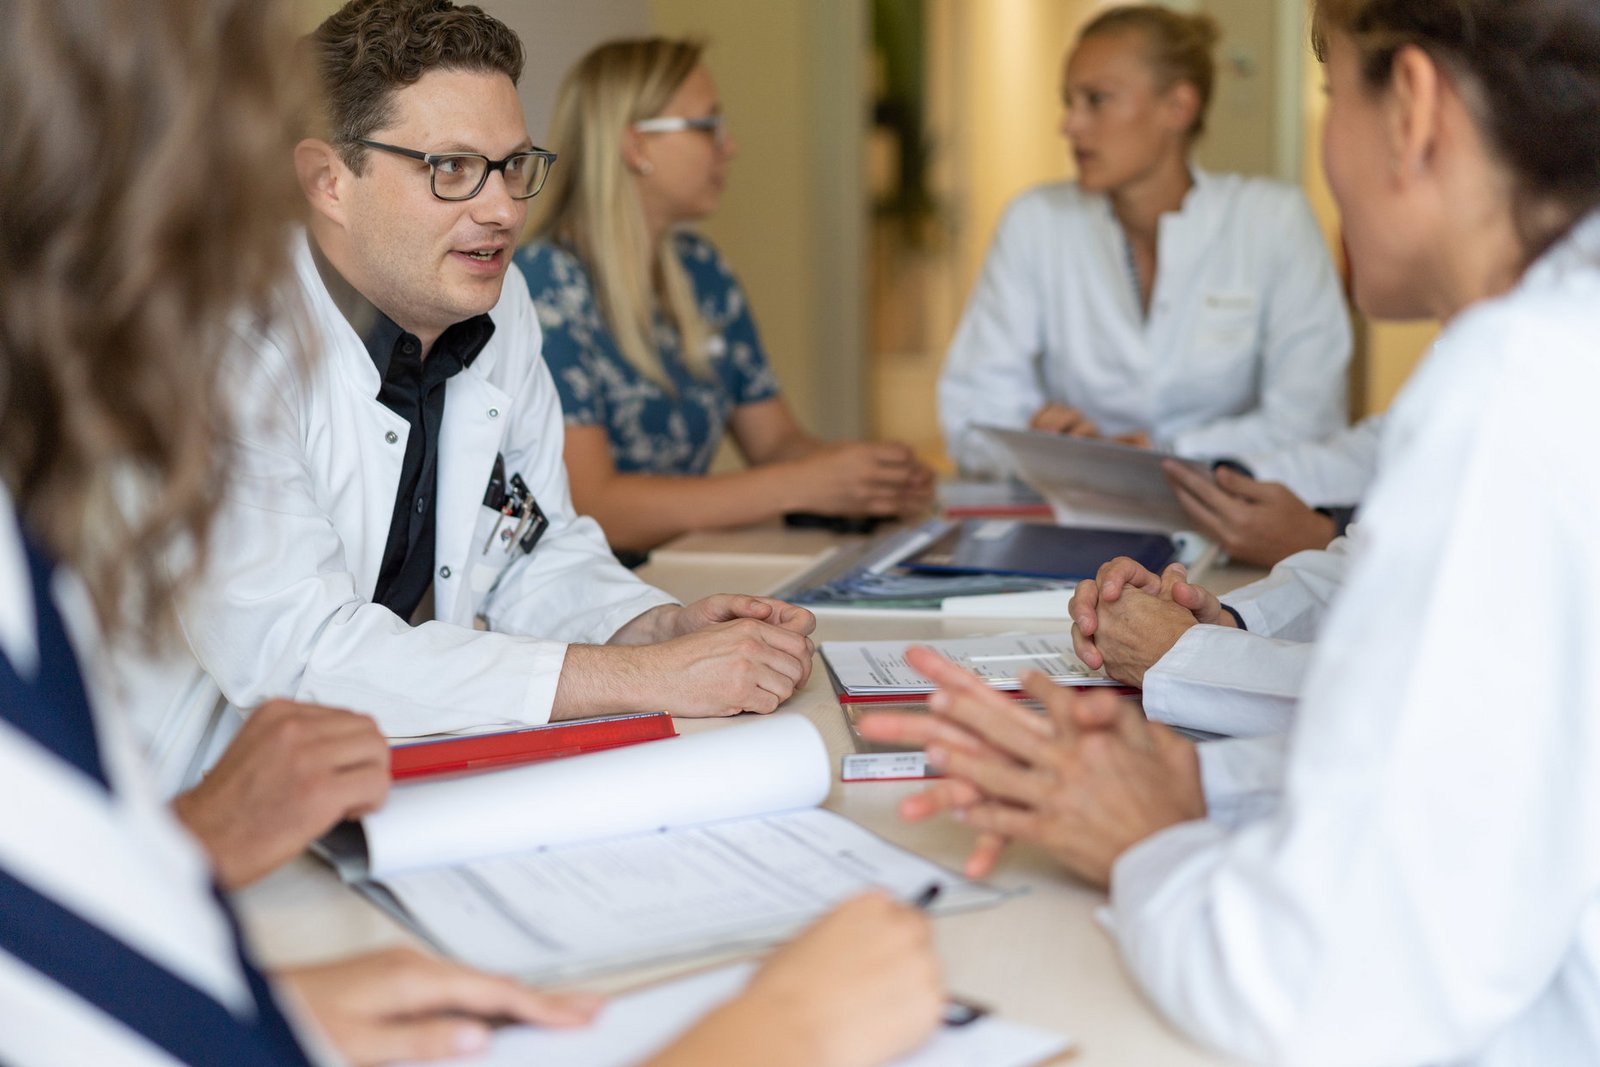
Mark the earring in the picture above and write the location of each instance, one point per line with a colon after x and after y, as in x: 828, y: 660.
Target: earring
x: 645, y: 168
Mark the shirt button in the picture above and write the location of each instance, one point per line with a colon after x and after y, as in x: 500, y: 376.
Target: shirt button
x: 494, y: 413
x: 422, y: 505
x: 408, y: 348
x: 444, y: 572
x: 391, y: 437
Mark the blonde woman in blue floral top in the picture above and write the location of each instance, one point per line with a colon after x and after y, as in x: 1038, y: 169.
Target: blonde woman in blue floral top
x: 652, y: 430
x: 648, y: 334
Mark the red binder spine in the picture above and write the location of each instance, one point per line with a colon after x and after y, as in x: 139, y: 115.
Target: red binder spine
x: 532, y: 745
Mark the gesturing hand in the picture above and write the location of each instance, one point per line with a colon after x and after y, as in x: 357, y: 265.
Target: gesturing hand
x: 1086, y: 781
x: 293, y: 771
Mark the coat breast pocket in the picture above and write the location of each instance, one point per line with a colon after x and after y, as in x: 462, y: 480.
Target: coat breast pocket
x: 489, y: 559
x: 1228, y: 326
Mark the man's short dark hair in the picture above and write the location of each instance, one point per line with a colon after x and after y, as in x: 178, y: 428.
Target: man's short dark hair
x: 369, y: 48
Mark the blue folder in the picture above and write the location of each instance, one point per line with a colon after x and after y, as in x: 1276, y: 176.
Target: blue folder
x: 1037, y: 550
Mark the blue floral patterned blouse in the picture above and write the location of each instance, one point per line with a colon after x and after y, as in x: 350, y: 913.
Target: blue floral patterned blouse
x: 651, y: 431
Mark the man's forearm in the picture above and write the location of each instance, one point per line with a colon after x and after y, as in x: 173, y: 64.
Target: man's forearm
x: 599, y: 680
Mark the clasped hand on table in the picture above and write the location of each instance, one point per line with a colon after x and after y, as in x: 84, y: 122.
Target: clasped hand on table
x: 1126, y: 618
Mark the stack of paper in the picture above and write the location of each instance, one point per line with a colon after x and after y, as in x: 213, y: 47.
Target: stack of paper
x: 865, y: 669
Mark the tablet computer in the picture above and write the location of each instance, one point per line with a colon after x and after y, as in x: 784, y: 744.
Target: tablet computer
x: 1095, y: 483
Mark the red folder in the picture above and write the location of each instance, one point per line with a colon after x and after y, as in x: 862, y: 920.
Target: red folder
x: 455, y: 754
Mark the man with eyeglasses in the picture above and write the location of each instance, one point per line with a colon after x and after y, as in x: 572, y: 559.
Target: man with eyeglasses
x: 398, y: 536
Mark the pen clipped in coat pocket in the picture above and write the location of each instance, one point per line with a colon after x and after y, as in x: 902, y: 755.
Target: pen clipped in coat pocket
x: 492, y: 537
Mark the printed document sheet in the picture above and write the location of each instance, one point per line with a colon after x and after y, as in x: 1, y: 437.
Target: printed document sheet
x: 583, y: 908
x: 633, y: 1027
x: 866, y: 668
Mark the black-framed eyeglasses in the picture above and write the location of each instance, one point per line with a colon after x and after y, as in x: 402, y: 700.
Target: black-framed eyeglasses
x: 462, y: 175
x: 716, y: 125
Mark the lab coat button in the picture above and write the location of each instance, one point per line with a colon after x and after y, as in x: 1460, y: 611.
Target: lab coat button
x: 444, y: 572
x: 391, y: 437
x: 494, y: 413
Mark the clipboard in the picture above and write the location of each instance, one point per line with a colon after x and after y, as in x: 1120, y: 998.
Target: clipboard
x: 456, y: 755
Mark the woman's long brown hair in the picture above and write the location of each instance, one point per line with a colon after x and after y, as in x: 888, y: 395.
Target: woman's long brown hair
x: 145, y: 184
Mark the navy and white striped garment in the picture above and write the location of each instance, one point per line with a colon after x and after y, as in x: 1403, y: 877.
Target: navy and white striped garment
x: 114, y: 947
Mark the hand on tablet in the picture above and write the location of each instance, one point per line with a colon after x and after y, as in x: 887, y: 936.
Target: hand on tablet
x: 1254, y: 522
x: 1059, y: 418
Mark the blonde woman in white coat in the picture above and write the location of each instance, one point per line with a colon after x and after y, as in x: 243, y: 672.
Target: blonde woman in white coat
x: 1148, y: 300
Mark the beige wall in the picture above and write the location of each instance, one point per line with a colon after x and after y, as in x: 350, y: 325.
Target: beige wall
x: 792, y: 222
x: 1002, y: 61
x: 554, y: 35
x: 1245, y: 128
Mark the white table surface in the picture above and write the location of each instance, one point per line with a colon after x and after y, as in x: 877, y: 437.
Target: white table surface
x: 1040, y: 958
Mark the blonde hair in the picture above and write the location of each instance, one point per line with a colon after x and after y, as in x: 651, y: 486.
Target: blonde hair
x: 144, y: 204
x: 1179, y: 48
x: 590, y: 204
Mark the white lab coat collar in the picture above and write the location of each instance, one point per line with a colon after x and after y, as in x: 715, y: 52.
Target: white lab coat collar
x: 469, y: 434
x: 1578, y: 250
x: 1194, y: 211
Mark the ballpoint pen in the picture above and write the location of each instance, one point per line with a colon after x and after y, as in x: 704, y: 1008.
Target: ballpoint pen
x: 956, y: 1012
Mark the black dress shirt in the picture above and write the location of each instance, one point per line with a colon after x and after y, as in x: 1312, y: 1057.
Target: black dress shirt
x: 413, y: 388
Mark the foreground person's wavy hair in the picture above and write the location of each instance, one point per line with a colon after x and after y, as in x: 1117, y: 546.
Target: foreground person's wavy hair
x: 145, y: 181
